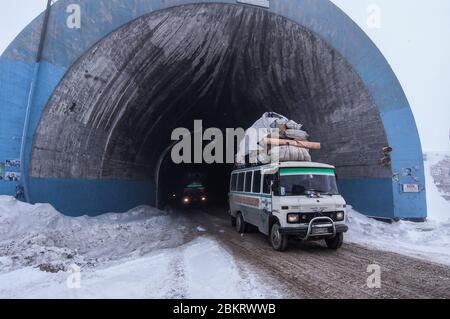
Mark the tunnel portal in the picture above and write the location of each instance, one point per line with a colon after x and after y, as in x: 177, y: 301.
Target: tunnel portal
x: 109, y: 119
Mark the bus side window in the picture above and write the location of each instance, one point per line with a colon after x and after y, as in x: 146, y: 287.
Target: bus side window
x: 241, y: 178
x: 267, y: 182
x: 248, y: 182
x: 233, y: 182
x: 257, y: 182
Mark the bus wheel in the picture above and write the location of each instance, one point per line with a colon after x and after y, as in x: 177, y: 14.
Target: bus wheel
x: 335, y: 242
x: 241, y: 225
x: 279, y: 241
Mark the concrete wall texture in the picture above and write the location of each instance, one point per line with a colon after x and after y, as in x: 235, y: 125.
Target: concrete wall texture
x: 100, y: 89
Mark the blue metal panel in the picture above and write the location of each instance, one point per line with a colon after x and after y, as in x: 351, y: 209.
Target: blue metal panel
x: 372, y: 196
x: 407, y: 164
x: 92, y: 197
x: 100, y: 17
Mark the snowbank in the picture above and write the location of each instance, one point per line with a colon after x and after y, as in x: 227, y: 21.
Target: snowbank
x: 39, y: 236
x: 144, y: 253
x: 429, y: 241
x: 200, y: 269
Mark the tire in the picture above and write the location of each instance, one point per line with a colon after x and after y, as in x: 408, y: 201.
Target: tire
x: 278, y: 241
x: 233, y: 221
x: 241, y: 225
x: 335, y: 242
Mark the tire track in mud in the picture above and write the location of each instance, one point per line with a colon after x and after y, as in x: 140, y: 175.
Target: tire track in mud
x: 310, y: 270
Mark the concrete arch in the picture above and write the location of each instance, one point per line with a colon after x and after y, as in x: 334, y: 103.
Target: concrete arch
x: 77, y: 185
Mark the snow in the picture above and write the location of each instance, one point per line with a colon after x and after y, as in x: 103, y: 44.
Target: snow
x: 429, y: 241
x: 200, y: 229
x: 144, y: 253
x: 200, y: 269
x: 438, y: 206
x: 149, y: 253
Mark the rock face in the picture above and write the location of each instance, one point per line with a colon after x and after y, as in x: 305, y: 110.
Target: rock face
x: 441, y: 176
x: 114, y: 111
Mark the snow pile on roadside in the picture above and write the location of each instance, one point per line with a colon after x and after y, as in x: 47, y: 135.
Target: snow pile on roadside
x: 39, y: 236
x: 143, y: 253
x: 200, y: 269
x: 429, y: 240
x: 438, y: 206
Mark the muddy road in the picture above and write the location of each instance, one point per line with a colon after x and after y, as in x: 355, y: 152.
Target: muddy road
x: 310, y: 270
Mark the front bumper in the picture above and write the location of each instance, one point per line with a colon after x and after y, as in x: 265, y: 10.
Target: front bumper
x: 327, y: 226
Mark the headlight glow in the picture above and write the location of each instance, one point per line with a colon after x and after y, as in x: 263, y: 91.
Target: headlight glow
x: 293, y: 218
x: 340, y: 216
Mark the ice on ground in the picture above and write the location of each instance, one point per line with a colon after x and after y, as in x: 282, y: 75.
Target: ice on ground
x: 144, y: 253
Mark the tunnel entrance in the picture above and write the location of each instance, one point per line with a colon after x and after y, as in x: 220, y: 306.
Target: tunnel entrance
x: 112, y: 115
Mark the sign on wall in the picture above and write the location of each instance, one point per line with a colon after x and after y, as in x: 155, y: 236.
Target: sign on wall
x: 411, y: 188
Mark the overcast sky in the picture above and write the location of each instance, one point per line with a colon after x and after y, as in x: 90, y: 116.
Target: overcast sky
x: 414, y: 36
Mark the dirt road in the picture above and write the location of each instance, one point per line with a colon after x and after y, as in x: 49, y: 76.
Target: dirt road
x: 310, y: 270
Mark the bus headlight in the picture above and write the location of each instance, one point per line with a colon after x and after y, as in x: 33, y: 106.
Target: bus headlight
x: 186, y: 200
x: 293, y: 218
x: 340, y: 216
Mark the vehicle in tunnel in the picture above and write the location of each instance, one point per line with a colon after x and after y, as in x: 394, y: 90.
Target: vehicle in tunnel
x: 194, y: 194
x: 289, y: 200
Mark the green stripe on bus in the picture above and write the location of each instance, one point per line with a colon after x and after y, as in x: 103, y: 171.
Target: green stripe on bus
x: 306, y: 171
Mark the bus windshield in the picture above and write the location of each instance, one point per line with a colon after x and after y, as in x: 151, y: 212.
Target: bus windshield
x: 294, y: 182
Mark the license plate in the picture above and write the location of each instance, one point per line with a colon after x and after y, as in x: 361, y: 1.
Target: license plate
x: 319, y: 231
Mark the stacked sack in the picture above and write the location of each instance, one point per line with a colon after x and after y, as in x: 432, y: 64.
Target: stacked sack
x: 283, y: 140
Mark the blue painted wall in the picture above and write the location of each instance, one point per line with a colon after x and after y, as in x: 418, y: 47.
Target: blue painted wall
x: 99, y: 17
x: 92, y: 197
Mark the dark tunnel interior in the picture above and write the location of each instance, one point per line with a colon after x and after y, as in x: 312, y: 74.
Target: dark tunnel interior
x: 112, y: 115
